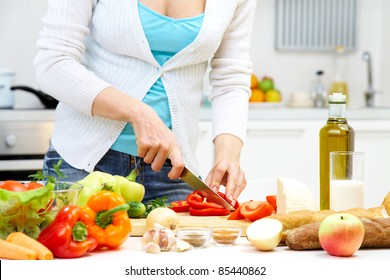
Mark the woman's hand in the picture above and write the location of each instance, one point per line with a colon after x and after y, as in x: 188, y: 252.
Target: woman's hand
x: 226, y: 170
x: 155, y: 141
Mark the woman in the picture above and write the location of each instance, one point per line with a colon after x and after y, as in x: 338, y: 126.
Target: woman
x: 129, y: 76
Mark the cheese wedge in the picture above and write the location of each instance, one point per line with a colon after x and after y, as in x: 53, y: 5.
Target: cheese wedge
x: 294, y: 195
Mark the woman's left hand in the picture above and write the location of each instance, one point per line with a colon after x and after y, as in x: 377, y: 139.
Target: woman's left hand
x: 227, y: 170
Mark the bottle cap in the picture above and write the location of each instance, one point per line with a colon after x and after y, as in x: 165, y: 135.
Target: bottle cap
x: 337, y: 97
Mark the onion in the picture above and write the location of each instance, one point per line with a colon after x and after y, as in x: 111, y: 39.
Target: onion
x: 164, y: 216
x: 265, y: 234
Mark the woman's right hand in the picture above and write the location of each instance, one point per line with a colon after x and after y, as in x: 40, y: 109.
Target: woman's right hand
x: 155, y: 141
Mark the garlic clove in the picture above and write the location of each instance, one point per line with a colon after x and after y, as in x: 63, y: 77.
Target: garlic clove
x: 148, y: 236
x: 152, y: 248
x: 182, y: 245
x: 165, y: 238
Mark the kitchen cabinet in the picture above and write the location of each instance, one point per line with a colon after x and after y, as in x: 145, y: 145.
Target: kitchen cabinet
x: 280, y: 149
x: 289, y: 147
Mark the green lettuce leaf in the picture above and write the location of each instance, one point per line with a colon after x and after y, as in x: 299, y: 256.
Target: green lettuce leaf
x: 25, y: 212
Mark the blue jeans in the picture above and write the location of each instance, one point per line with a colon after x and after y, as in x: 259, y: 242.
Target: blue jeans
x: 157, y: 184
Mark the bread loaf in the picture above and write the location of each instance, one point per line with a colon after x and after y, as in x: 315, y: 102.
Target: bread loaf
x: 377, y: 235
x: 297, y: 219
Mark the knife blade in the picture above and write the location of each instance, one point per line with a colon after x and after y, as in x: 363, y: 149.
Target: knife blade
x: 197, y: 184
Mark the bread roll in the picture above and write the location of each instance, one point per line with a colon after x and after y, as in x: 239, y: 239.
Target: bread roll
x: 377, y: 235
x: 297, y: 219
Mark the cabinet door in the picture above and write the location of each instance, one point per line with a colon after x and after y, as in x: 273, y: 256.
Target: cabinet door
x: 373, y: 138
x: 280, y: 149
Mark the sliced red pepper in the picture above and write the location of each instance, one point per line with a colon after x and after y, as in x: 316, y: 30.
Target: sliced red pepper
x: 255, y: 210
x: 209, y: 212
x: 236, y: 214
x: 197, y: 201
x: 271, y: 199
x: 179, y: 206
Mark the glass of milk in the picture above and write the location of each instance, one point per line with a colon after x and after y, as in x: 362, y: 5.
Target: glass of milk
x: 346, y: 180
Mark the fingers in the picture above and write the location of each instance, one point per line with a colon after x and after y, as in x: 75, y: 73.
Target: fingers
x: 177, y: 164
x: 229, y: 174
x: 156, y: 155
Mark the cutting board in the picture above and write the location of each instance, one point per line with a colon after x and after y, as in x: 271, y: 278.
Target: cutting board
x: 138, y: 226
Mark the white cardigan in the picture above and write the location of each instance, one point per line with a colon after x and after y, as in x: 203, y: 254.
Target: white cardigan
x: 86, y: 46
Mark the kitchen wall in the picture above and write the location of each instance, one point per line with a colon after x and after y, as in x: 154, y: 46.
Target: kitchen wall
x: 295, y: 71
x: 20, y: 22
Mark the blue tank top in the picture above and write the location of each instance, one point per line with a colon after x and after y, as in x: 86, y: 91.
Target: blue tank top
x: 156, y: 26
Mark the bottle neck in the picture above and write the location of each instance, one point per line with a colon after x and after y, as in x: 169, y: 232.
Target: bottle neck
x: 337, y: 110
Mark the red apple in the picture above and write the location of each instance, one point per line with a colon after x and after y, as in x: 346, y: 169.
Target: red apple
x: 341, y: 234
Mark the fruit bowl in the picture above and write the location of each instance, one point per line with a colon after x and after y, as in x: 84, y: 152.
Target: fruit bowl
x: 31, y: 209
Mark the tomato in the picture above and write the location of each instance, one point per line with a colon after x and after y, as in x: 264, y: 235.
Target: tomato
x: 255, y: 210
x: 13, y: 186
x: 179, y: 206
x: 236, y: 214
x: 271, y: 199
x: 33, y: 185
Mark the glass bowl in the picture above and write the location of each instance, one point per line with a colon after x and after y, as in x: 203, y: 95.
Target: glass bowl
x: 65, y: 193
x: 32, y: 209
x: 225, y: 235
x: 197, y: 237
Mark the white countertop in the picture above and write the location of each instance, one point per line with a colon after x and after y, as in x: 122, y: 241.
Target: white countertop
x: 255, y: 113
x: 286, y: 113
x: 279, y: 263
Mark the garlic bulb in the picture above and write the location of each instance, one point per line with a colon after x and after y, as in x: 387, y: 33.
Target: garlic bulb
x: 164, y: 237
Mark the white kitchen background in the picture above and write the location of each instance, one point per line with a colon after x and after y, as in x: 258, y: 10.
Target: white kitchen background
x: 20, y: 22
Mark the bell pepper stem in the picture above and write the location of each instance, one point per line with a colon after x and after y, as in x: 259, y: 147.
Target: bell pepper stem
x: 79, y: 232
x: 104, y: 218
x: 133, y: 175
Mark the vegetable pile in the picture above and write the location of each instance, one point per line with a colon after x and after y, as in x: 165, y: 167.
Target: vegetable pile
x: 102, y: 223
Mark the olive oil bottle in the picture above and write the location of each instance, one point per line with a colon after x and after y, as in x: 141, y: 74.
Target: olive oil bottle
x: 336, y: 135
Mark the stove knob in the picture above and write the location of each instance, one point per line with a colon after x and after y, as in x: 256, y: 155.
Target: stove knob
x: 11, y: 140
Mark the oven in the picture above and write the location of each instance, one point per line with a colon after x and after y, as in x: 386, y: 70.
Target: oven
x: 25, y: 138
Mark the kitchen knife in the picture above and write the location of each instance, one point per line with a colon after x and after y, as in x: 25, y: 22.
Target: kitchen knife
x: 197, y: 184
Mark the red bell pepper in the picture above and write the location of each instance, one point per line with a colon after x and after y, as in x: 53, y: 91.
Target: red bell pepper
x: 209, y: 212
x: 67, y: 236
x: 197, y: 201
x: 179, y: 206
x: 199, y: 206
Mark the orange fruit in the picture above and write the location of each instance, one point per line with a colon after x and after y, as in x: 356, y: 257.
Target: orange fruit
x: 257, y: 95
x: 254, y: 81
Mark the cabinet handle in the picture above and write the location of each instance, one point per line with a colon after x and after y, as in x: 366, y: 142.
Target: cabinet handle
x: 275, y: 132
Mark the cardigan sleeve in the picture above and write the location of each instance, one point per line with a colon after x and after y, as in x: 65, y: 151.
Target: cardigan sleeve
x: 230, y: 74
x: 58, y: 67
